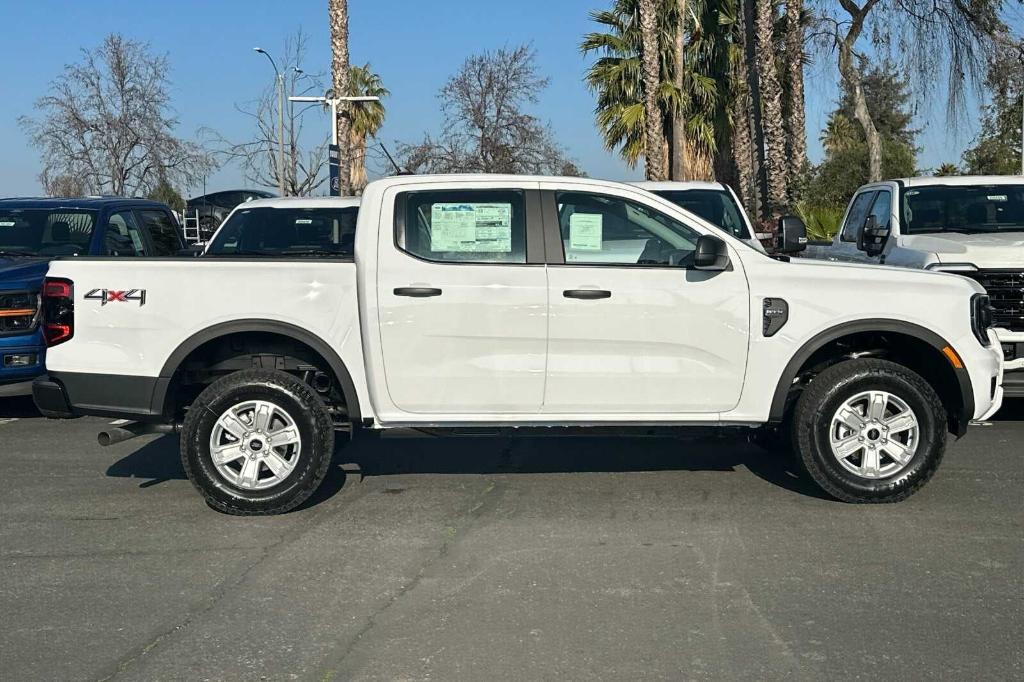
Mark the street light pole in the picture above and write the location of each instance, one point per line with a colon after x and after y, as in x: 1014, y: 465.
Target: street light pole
x: 333, y: 103
x: 280, y: 120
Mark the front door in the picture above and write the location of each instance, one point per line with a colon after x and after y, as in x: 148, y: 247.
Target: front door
x: 632, y: 329
x: 462, y: 299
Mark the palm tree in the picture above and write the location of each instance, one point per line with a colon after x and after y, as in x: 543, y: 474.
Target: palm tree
x: 772, y: 122
x: 693, y: 110
x: 651, y: 70
x: 366, y: 119
x: 337, y: 17
x: 796, y: 133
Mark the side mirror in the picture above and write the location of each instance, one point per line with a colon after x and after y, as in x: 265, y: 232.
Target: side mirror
x: 711, y: 254
x: 791, y: 236
x: 872, y: 237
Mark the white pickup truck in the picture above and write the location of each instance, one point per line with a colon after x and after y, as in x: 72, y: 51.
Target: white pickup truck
x: 512, y: 304
x: 972, y: 226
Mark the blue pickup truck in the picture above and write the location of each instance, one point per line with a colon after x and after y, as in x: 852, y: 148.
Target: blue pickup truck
x: 35, y: 231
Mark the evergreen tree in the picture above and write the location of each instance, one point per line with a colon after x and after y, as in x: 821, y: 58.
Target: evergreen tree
x: 846, y: 165
x: 997, y: 149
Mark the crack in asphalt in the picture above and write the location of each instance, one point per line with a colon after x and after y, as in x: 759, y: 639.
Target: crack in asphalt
x: 455, y: 531
x: 226, y: 586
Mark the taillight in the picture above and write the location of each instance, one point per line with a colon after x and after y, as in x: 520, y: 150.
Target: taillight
x: 58, y: 310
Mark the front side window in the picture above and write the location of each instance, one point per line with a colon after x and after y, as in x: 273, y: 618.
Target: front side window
x: 287, y: 232
x: 472, y: 226
x: 598, y: 229
x: 162, y: 232
x: 970, y: 209
x: 716, y: 206
x: 124, y: 238
x: 881, y: 210
x: 45, y: 232
x: 858, y: 214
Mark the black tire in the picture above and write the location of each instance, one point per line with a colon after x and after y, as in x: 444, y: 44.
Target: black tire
x: 311, y: 419
x: 818, y: 403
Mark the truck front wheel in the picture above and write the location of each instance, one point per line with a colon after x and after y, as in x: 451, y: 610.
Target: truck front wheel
x: 257, y: 442
x: 869, y: 430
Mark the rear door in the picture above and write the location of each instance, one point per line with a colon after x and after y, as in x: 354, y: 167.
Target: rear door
x: 633, y: 331
x: 462, y: 299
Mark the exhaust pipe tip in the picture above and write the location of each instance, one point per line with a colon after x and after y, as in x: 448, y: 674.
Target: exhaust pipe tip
x: 133, y: 430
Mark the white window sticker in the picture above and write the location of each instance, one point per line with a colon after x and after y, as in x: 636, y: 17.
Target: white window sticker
x: 7, y: 223
x: 471, y: 227
x: 997, y: 197
x: 585, y: 231
x: 303, y: 221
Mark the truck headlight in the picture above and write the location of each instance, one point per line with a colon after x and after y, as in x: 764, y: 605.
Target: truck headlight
x: 981, y: 317
x: 19, y: 312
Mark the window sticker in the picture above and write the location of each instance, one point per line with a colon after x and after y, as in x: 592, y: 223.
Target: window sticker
x: 585, y: 231
x: 303, y: 221
x: 471, y: 227
x: 7, y: 223
x: 997, y: 197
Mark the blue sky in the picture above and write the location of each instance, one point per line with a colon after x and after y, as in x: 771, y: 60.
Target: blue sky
x: 414, y: 45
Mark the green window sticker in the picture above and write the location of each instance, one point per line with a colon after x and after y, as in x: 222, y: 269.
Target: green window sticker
x: 585, y: 231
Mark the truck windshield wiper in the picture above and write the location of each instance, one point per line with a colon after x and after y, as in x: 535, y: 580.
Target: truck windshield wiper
x: 18, y: 252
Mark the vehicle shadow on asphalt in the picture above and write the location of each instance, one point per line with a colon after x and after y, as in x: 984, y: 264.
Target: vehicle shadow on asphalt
x: 158, y: 461
x: 20, y: 407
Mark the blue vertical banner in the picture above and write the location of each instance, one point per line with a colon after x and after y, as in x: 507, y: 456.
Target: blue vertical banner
x: 334, y: 162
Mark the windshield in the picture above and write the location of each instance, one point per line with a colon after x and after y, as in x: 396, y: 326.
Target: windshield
x: 265, y: 231
x: 714, y: 205
x: 45, y: 232
x: 978, y: 208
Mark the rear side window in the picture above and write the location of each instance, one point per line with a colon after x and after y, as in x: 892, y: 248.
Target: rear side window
x: 286, y: 232
x: 858, y: 213
x: 123, y: 236
x: 473, y: 226
x: 162, y: 232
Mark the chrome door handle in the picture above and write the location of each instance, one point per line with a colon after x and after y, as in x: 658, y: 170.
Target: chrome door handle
x: 417, y: 292
x: 587, y: 294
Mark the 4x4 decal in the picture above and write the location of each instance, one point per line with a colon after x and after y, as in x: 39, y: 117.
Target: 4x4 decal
x: 105, y: 296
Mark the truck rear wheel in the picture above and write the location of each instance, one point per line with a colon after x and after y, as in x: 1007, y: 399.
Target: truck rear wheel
x: 257, y: 442
x: 869, y: 431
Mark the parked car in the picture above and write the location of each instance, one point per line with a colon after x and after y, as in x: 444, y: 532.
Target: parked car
x: 35, y: 231
x: 505, y: 304
x: 213, y: 208
x: 293, y: 226
x: 971, y: 226
x: 712, y: 201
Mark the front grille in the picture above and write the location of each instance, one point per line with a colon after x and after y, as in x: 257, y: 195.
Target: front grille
x: 1005, y: 290
x: 19, y: 312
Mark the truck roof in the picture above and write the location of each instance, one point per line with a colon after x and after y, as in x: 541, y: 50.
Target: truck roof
x: 302, y: 202
x: 75, y: 202
x: 678, y: 185
x: 399, y: 180
x: 929, y: 180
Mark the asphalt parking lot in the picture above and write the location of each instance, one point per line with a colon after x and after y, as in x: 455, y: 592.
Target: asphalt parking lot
x: 538, y: 558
